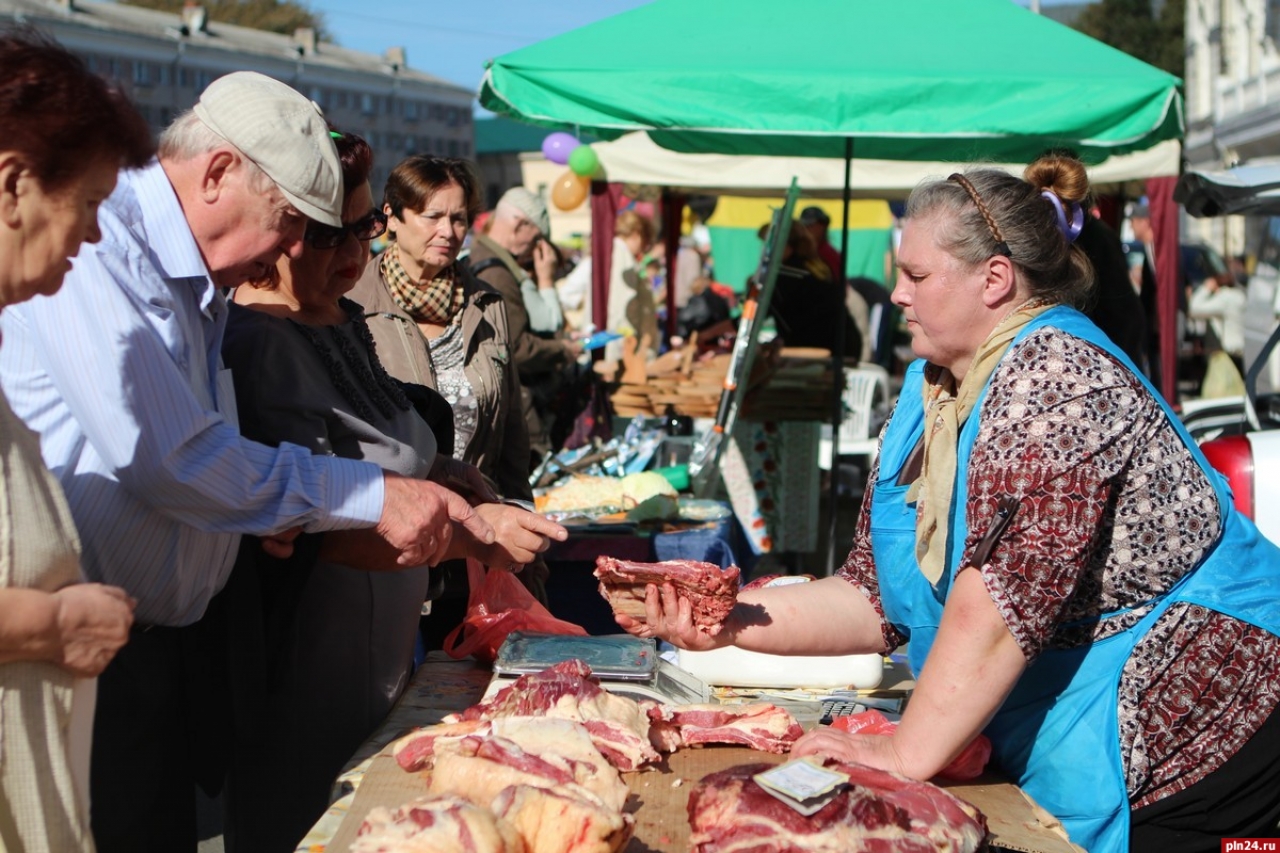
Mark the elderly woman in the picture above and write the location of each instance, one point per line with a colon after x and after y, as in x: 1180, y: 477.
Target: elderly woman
x: 66, y: 135
x: 1071, y: 575
x: 437, y: 325
x: 337, y: 635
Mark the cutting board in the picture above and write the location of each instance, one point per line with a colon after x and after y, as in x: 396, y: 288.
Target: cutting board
x: 659, y: 799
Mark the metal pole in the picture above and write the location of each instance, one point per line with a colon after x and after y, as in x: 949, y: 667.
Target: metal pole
x: 837, y: 366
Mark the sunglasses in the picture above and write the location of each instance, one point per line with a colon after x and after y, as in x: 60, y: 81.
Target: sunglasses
x: 320, y: 236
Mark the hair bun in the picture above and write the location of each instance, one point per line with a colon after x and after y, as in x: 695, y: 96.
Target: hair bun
x: 1062, y: 174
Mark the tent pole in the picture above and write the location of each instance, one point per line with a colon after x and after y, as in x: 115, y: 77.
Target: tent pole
x: 837, y: 366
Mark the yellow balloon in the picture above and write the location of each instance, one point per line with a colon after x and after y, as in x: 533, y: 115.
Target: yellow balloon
x: 570, y: 190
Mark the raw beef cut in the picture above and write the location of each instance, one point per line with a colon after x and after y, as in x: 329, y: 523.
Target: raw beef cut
x: 415, y: 750
x: 482, y: 767
x: 618, y: 726
x: 878, y: 812
x: 761, y: 726
x: 553, y: 820
x: 711, y: 591
x: 429, y: 825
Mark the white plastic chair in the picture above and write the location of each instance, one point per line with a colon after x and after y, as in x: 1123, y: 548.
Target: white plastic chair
x: 866, y: 387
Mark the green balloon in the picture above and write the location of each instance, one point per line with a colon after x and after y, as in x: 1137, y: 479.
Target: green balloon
x: 583, y: 161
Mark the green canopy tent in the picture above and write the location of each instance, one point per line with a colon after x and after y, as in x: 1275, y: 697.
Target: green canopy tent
x: 910, y: 80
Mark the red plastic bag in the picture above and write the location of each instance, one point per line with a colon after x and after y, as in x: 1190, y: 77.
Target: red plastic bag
x: 499, y: 604
x: 969, y: 764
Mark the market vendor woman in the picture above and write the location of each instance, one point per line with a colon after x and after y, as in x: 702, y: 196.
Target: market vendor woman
x: 1116, y: 636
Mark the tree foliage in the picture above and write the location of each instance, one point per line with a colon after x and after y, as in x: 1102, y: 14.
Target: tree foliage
x: 277, y: 16
x: 1135, y: 28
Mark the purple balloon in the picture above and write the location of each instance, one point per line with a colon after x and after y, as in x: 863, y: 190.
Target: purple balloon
x: 558, y: 146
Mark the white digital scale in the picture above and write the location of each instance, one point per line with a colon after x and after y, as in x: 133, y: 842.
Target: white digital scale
x: 626, y: 666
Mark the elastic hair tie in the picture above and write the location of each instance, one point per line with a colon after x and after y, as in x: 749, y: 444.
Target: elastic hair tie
x: 336, y: 134
x: 1070, y: 230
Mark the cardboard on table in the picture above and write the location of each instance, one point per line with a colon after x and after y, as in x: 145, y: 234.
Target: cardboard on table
x: 660, y: 796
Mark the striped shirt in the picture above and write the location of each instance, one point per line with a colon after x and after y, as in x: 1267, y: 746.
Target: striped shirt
x: 120, y: 374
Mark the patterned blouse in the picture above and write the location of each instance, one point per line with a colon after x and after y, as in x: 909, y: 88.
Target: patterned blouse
x: 448, y: 355
x: 1114, y: 511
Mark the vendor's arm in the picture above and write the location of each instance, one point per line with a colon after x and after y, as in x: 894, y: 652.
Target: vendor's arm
x: 833, y: 616
x: 79, y: 627
x: 974, y: 664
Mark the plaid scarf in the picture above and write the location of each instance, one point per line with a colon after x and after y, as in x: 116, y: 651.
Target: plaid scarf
x: 438, y: 302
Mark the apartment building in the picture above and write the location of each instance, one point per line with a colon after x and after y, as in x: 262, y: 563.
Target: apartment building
x: 164, y: 61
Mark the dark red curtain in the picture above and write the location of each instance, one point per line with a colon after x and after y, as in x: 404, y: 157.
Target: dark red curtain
x: 604, y: 215
x: 1164, y: 227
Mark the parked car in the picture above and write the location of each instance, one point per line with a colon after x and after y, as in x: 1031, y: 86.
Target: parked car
x: 1242, y: 437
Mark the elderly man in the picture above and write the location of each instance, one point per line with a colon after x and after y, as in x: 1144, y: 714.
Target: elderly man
x: 521, y: 228
x: 120, y: 375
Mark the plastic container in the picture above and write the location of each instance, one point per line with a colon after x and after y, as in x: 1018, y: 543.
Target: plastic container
x: 676, y: 475
x: 733, y: 667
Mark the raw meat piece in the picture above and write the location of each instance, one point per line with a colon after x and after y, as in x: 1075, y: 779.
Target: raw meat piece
x: 879, y: 812
x: 448, y: 825
x: 618, y: 726
x: 415, y: 750
x: 482, y: 767
x: 760, y: 725
x: 552, y: 820
x: 711, y: 591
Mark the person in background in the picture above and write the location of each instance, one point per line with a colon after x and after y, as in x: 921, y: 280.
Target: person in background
x: 435, y: 324
x: 818, y: 224
x: 631, y: 305
x: 1223, y: 304
x: 1071, y: 575
x: 120, y: 374
x: 1117, y: 308
x: 805, y: 306
x: 334, y: 631
x: 521, y: 227
x: 705, y: 309
x: 66, y: 136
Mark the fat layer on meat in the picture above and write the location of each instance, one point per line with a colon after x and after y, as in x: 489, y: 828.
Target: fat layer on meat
x: 436, y: 825
x: 711, y: 591
x: 554, y: 820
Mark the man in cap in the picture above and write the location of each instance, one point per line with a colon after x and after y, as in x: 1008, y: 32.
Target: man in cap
x: 521, y: 228
x: 120, y: 375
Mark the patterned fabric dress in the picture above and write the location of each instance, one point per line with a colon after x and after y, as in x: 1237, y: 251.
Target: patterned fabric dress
x: 1115, y: 511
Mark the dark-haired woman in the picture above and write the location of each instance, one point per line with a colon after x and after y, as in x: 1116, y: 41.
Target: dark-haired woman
x: 1071, y: 574
x: 65, y: 136
x: 323, y: 642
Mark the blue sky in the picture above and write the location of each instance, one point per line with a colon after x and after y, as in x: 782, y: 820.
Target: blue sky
x: 454, y: 39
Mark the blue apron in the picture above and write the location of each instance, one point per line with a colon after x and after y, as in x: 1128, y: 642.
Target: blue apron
x: 1057, y: 733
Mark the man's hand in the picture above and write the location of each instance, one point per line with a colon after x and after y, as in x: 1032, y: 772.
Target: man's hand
x: 463, y: 478
x: 92, y: 623
x: 418, y: 518
x: 280, y: 546
x: 544, y: 264
x: 520, y: 536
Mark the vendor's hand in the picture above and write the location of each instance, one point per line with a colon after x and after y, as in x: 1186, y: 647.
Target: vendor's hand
x: 419, y: 518
x: 872, y: 750
x: 669, y: 617
x: 280, y: 546
x: 544, y: 264
x: 463, y: 478
x: 520, y: 536
x: 92, y: 623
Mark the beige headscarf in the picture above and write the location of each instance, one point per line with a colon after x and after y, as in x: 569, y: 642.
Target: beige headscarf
x: 946, y: 408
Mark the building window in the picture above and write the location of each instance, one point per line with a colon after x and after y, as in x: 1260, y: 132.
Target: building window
x: 184, y: 78
x: 1273, y: 21
x: 341, y: 98
x: 410, y: 110
x: 203, y: 79
x: 453, y: 148
x: 142, y: 74
x: 465, y: 148
x: 367, y: 104
x: 452, y: 117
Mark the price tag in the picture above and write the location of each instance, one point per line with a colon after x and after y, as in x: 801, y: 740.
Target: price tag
x: 802, y: 784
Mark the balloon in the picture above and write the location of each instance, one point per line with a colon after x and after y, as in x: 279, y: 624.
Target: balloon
x: 583, y: 161
x: 569, y: 191
x: 558, y: 146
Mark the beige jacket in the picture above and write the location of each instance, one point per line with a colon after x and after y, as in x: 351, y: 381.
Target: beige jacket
x: 500, y: 446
